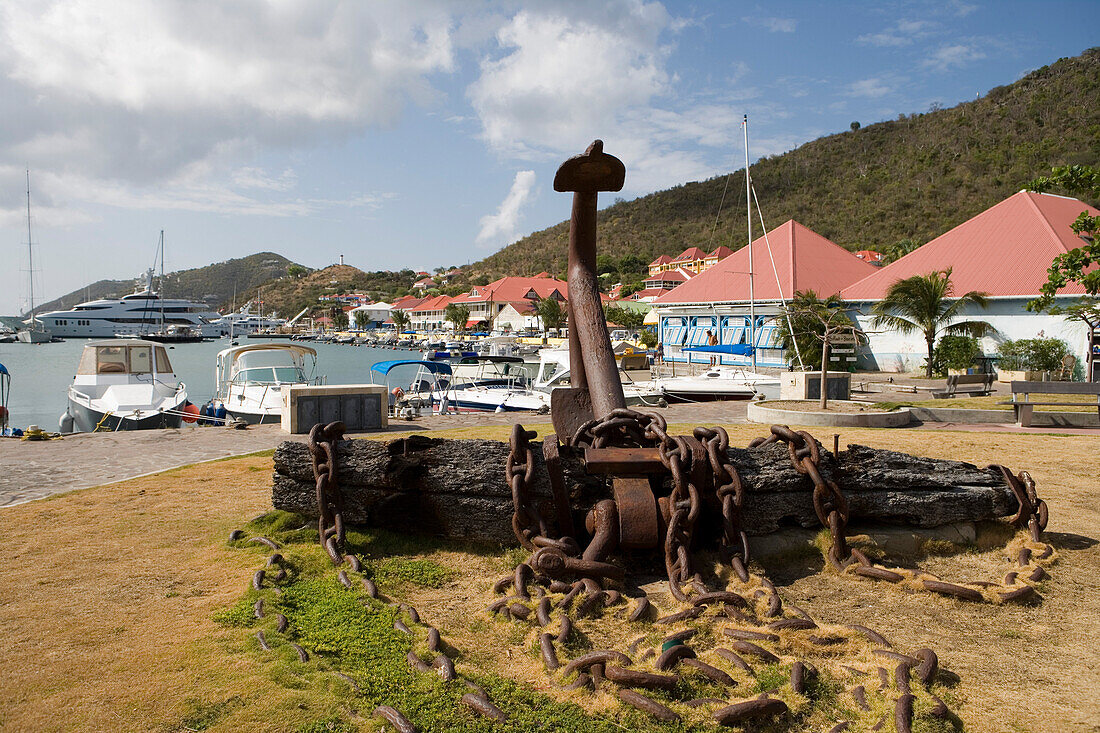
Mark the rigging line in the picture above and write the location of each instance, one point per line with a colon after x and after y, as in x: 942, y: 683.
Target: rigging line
x: 721, y: 203
x: 778, y: 284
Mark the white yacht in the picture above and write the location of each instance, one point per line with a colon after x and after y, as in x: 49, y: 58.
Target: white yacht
x: 244, y: 322
x: 718, y: 383
x: 124, y: 384
x: 251, y: 379
x: 138, y: 314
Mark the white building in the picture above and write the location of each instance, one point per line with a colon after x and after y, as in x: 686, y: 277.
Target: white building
x: 1004, y: 252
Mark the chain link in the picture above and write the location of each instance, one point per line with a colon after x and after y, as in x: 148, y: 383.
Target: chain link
x: 330, y: 500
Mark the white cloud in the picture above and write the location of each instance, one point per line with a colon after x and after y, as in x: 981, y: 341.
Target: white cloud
x: 562, y: 78
x: 557, y: 82
x: 872, y: 87
x: 127, y: 98
x: 775, y: 25
x: 902, y: 33
x: 958, y: 55
x: 503, y: 226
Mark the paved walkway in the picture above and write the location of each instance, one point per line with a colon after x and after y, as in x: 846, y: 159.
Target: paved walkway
x: 32, y: 470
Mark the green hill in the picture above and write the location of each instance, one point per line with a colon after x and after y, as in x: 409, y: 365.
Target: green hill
x: 214, y: 284
x: 912, y: 178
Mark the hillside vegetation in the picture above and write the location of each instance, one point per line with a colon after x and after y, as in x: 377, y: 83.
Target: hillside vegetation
x: 288, y: 295
x: 214, y: 284
x: 912, y: 178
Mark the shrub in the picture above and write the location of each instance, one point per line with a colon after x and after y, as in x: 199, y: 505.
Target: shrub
x: 1041, y: 354
x: 955, y: 352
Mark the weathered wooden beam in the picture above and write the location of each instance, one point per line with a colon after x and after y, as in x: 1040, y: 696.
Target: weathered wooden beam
x: 457, y: 489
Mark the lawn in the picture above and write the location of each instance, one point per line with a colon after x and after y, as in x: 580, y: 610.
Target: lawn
x: 125, y: 607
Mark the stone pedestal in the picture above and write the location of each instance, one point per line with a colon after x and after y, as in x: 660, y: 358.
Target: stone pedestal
x: 361, y: 407
x: 807, y: 386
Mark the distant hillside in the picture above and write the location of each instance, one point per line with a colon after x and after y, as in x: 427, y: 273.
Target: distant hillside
x: 907, y: 179
x: 288, y: 295
x: 214, y: 284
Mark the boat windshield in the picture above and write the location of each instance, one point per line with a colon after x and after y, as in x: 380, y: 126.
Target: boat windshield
x: 122, y: 359
x: 275, y: 366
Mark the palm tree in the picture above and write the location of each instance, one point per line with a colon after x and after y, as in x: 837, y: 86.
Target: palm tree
x: 400, y: 320
x: 457, y: 315
x: 924, y: 303
x: 802, y: 324
x: 550, y: 313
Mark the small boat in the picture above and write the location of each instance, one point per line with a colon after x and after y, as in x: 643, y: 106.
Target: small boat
x: 553, y: 372
x: 494, y: 384
x: 176, y: 334
x: 718, y: 383
x: 250, y: 379
x: 124, y: 384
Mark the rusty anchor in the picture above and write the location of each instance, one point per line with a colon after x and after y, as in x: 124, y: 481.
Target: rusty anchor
x: 596, y: 389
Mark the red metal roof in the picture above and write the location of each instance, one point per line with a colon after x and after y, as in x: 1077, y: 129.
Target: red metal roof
x: 438, y: 303
x: 690, y: 255
x: 660, y: 261
x: 1004, y: 251
x: 804, y: 260
x: 514, y: 290
x: 721, y: 252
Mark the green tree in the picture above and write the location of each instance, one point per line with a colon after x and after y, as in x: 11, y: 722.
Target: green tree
x: 897, y: 250
x: 625, y: 317
x: 361, y: 320
x: 605, y: 264
x: 457, y: 315
x: 801, y: 328
x: 811, y: 320
x: 296, y: 271
x: 924, y: 303
x: 550, y: 313
x: 632, y: 264
x: 1070, y: 267
x: 400, y: 319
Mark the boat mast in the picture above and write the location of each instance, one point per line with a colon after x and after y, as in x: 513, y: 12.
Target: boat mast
x: 748, y: 214
x: 162, y: 326
x: 30, y: 248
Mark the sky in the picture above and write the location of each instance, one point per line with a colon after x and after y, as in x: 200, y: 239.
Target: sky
x: 426, y: 133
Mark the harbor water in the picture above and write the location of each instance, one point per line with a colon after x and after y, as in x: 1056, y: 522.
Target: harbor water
x: 41, y: 373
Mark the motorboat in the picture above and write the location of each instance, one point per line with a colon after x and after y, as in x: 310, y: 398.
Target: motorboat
x: 494, y: 384
x: 124, y: 384
x: 137, y: 314
x: 553, y: 372
x: 435, y: 388
x: 176, y: 334
x: 717, y: 383
x: 250, y: 380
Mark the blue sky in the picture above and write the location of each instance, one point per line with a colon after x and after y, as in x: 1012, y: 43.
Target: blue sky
x: 426, y: 133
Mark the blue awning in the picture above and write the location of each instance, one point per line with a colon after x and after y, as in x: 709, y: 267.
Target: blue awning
x: 3, y: 369
x: 733, y: 349
x: 436, y: 367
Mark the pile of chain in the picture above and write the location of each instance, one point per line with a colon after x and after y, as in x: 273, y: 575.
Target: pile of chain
x: 572, y: 585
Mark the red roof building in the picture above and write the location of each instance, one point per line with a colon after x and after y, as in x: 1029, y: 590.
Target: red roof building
x: 424, y: 283
x: 659, y: 264
x: 869, y: 255
x: 1004, y: 251
x: 804, y: 260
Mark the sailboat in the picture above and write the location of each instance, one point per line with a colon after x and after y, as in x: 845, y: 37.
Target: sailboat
x: 35, y: 333
x: 721, y: 382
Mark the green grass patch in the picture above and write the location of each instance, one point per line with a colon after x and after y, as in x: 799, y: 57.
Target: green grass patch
x: 203, y: 715
x: 418, y: 571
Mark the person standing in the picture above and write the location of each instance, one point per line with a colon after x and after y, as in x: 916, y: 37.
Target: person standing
x: 712, y: 340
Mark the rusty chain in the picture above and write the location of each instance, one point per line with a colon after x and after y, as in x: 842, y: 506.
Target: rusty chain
x: 330, y: 501
x: 832, y: 510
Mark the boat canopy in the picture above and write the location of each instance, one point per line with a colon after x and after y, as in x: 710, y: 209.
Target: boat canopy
x: 124, y: 356
x: 3, y: 369
x: 734, y: 349
x: 236, y: 351
x: 436, y: 367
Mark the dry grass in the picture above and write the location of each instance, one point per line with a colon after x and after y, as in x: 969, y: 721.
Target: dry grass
x: 108, y: 595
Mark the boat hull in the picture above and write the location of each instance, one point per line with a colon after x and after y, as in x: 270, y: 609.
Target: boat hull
x: 34, y: 337
x: 87, y: 419
x: 253, y: 418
